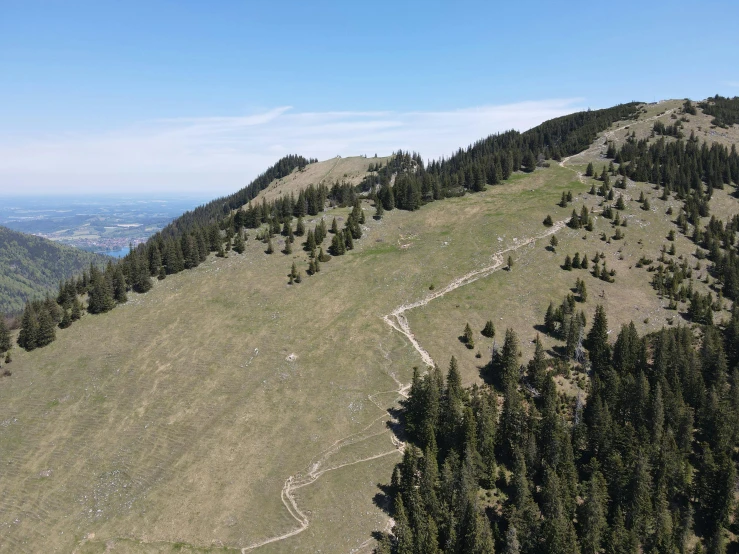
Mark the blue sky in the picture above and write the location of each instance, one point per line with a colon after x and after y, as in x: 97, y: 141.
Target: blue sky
x: 177, y: 95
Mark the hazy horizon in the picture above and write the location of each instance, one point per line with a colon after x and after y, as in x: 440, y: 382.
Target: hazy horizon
x: 139, y: 98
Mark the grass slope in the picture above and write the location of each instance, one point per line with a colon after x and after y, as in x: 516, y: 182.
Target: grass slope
x: 177, y: 421
x: 351, y: 170
x: 32, y: 266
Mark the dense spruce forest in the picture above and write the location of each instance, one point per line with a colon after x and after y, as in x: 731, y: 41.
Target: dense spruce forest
x: 31, y: 266
x: 220, y: 225
x: 516, y: 467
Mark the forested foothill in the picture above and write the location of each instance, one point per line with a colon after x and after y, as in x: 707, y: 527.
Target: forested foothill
x: 31, y: 265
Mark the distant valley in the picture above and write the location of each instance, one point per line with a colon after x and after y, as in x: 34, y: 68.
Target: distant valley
x: 104, y: 224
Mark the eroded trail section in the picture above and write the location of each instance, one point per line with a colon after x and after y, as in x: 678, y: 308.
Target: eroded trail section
x: 397, y: 320
x: 319, y: 465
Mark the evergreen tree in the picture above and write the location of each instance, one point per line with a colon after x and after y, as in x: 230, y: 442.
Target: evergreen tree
x: 529, y: 162
x: 239, y: 245
x: 584, y: 216
x: 141, y: 279
x: 334, y: 227
x: 100, y: 294
x: 619, y: 540
x: 553, y: 242
x: 119, y: 285
x: 512, y: 546
x: 379, y: 210
x: 589, y: 172
x: 576, y: 261
x: 338, y: 244
x: 310, y: 242
x: 550, y: 322
x: 270, y: 248
x: 574, y: 221
x: 76, y: 311
x: 537, y: 366
x: 597, y: 340
x: 402, y: 530
x: 509, y: 355
x: 558, y: 531
x: 489, y: 329
x: 510, y: 263
x: 548, y: 221
x: 28, y: 336
x: 467, y: 337
x: 592, y: 523
x: 46, y: 328
x: 66, y: 320
x: 4, y: 336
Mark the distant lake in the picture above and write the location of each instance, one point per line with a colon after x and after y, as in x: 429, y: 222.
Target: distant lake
x: 116, y: 253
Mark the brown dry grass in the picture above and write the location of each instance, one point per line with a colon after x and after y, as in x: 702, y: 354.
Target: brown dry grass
x: 352, y: 170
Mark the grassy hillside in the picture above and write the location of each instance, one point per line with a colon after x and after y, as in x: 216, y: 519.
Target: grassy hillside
x: 228, y: 410
x: 31, y: 267
x: 351, y: 170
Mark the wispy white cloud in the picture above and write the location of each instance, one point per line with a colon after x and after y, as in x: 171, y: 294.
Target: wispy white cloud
x: 215, y: 155
x: 733, y: 84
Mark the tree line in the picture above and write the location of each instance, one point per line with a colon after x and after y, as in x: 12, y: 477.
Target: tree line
x: 725, y: 111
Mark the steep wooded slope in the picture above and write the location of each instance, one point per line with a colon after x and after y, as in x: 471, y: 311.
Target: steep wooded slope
x: 32, y: 267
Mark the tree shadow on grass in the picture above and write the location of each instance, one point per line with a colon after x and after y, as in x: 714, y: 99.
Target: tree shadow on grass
x: 384, y: 498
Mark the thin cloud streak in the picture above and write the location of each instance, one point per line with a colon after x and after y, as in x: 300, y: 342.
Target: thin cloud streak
x: 221, y: 154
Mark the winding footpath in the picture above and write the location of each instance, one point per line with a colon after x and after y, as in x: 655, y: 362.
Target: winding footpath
x: 397, y: 320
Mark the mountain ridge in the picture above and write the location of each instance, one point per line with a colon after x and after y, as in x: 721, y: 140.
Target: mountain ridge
x: 186, y: 416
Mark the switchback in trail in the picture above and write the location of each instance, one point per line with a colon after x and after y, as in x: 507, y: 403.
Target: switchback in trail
x: 397, y: 320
